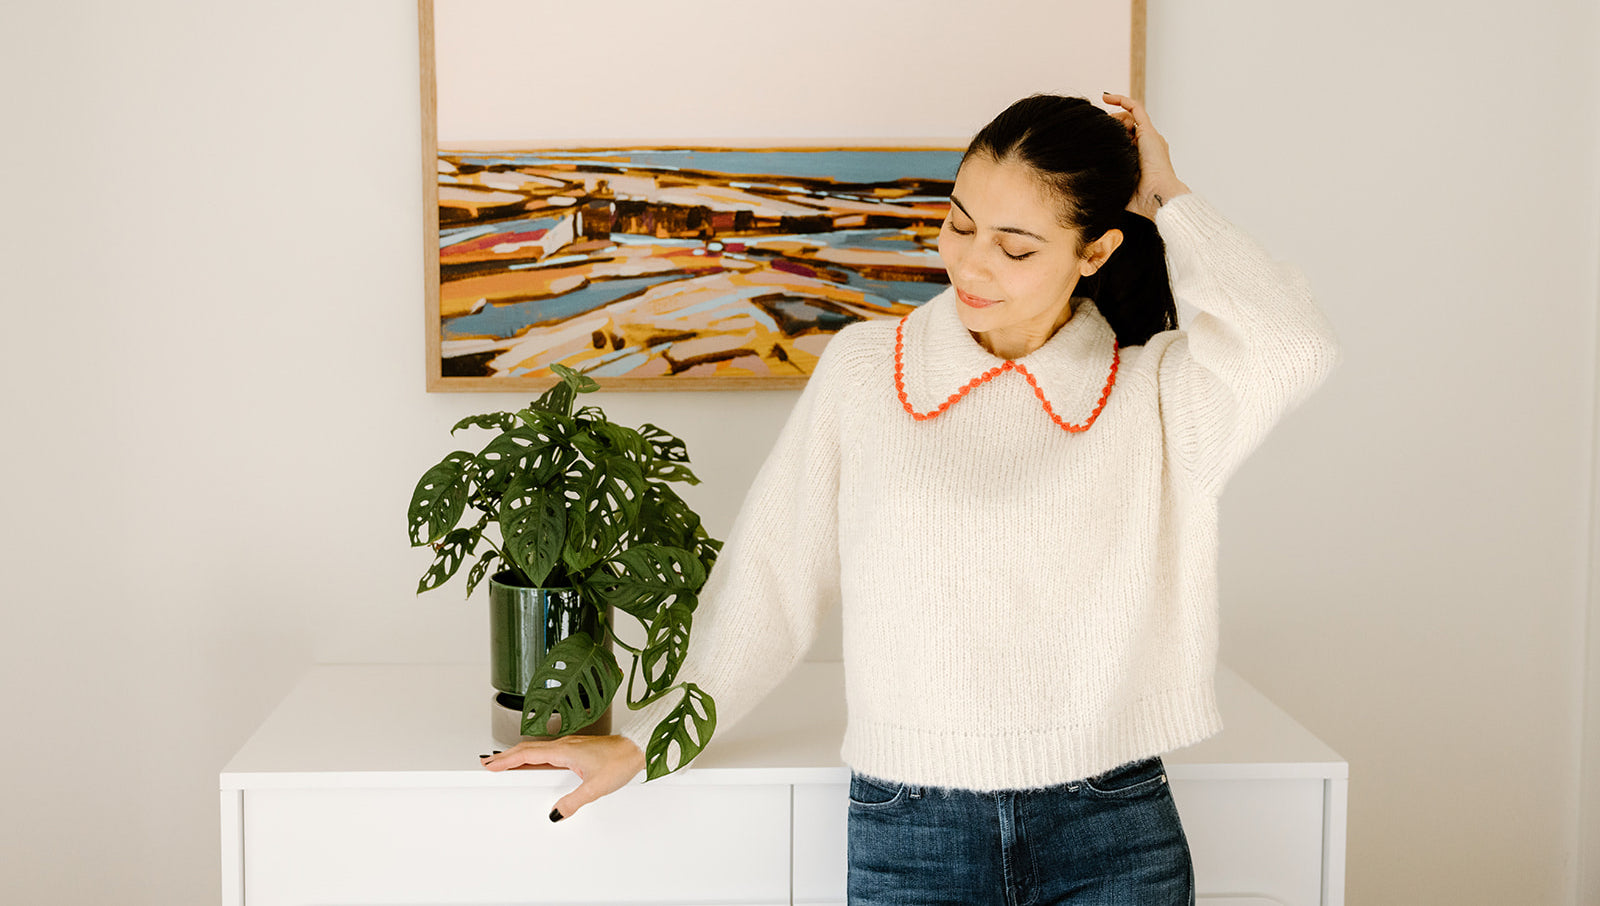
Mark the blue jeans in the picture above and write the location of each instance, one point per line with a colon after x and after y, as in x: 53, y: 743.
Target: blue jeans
x: 1109, y: 840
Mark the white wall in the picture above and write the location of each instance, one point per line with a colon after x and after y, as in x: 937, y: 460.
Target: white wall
x: 1405, y: 566
x: 231, y: 190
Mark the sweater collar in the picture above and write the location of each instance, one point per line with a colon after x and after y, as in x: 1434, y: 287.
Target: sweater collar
x: 938, y: 362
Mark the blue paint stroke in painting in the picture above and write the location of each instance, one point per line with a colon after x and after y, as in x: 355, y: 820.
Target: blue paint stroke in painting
x: 618, y: 364
x: 509, y: 320
x: 738, y: 295
x: 449, y: 237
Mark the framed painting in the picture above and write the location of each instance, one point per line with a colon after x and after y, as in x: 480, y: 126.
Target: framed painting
x: 655, y: 264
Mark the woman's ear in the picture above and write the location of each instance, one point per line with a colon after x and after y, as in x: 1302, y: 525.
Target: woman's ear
x: 1099, y: 250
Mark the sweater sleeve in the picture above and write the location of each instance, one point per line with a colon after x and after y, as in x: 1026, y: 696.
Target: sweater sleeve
x: 777, y: 575
x: 1257, y: 346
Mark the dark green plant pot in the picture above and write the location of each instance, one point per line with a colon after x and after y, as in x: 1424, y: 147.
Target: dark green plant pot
x: 524, y: 624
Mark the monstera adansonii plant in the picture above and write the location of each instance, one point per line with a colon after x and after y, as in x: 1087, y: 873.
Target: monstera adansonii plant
x: 581, y: 502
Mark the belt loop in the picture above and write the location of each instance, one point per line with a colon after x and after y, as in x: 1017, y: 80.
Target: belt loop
x: 916, y: 792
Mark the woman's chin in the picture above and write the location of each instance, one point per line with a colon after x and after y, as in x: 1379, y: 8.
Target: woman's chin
x: 976, y: 321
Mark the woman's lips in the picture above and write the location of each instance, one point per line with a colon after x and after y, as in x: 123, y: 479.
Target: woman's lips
x: 975, y: 301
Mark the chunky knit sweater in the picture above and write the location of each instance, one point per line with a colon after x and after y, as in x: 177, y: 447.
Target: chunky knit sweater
x: 1025, y: 601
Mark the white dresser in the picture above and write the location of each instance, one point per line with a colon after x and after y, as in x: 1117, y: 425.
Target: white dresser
x: 364, y: 787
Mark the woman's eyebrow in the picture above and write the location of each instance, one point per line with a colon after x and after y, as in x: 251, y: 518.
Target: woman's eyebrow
x: 1018, y: 230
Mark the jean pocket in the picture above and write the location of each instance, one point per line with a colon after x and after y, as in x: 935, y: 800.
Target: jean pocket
x: 869, y: 793
x: 1136, y: 778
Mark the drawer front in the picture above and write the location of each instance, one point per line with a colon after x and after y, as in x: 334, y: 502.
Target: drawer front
x: 1254, y: 842
x: 821, y: 811
x: 644, y: 844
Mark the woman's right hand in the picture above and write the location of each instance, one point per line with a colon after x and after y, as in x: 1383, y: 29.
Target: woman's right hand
x: 605, y: 764
x: 1158, y: 184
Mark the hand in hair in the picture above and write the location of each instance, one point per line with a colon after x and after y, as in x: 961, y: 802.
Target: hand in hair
x: 1157, y: 181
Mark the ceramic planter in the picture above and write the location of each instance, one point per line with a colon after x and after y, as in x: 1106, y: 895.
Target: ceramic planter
x: 524, y: 623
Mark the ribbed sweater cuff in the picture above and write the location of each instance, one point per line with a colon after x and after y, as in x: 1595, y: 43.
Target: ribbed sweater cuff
x: 1191, y: 216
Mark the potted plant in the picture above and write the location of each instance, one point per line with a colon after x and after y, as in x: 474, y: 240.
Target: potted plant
x: 587, y: 518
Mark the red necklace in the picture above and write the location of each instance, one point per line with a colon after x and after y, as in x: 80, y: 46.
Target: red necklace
x: 900, y: 384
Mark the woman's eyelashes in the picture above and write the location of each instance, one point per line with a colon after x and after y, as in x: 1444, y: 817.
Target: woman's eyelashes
x: 970, y: 230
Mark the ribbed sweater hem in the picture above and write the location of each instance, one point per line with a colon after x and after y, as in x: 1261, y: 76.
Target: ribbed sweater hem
x: 1031, y: 758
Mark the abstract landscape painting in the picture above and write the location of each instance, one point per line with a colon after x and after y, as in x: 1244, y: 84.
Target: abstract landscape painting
x: 675, y: 267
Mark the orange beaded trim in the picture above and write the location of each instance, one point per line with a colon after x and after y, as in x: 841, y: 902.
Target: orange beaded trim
x: 900, y: 384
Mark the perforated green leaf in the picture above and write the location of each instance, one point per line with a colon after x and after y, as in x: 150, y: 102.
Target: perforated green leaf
x: 448, y: 556
x: 662, y: 470
x: 603, y: 505
x: 439, y: 499
x: 521, y: 450
x: 480, y: 570
x: 621, y: 440
x: 668, y: 643
x: 558, y: 399
x: 665, y: 445
x: 533, y: 525
x: 641, y: 579
x: 707, y: 548
x: 501, y: 420
x: 578, y: 381
x: 688, y: 728
x: 554, y: 427
x: 664, y: 518
x: 576, y: 681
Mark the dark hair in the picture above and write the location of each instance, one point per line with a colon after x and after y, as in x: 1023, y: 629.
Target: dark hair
x: 1090, y: 163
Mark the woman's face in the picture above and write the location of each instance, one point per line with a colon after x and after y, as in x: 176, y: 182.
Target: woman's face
x: 1012, y: 263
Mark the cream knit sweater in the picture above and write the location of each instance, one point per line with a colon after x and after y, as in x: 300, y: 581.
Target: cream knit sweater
x: 1023, y: 605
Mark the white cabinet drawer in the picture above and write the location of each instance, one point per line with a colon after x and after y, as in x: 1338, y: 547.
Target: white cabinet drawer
x: 658, y: 843
x: 1257, y: 840
x: 821, y: 820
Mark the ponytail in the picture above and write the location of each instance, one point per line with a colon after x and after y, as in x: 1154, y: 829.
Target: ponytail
x: 1132, y: 290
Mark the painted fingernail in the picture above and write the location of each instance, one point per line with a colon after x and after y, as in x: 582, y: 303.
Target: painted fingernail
x: 555, y: 815
x: 483, y: 756
x: 498, y: 751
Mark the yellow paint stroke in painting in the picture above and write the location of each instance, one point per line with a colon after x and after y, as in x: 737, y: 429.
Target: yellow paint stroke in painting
x: 512, y: 181
x: 463, y: 297
x: 474, y: 200
x: 725, y: 334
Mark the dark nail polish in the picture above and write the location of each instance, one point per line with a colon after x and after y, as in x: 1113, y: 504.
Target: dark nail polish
x: 497, y: 751
x: 483, y: 756
x: 555, y: 815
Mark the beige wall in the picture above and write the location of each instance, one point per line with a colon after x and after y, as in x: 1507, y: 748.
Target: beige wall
x: 231, y: 190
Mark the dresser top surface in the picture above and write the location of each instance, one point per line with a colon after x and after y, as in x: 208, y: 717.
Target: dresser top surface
x: 372, y: 725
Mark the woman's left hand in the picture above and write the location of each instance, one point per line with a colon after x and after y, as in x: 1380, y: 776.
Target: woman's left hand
x: 1158, y: 184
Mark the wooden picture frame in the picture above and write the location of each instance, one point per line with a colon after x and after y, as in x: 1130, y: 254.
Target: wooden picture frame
x: 662, y: 264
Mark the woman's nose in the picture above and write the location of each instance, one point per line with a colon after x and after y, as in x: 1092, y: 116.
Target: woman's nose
x: 970, y: 269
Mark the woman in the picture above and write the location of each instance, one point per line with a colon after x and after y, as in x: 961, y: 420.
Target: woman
x: 1012, y: 492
